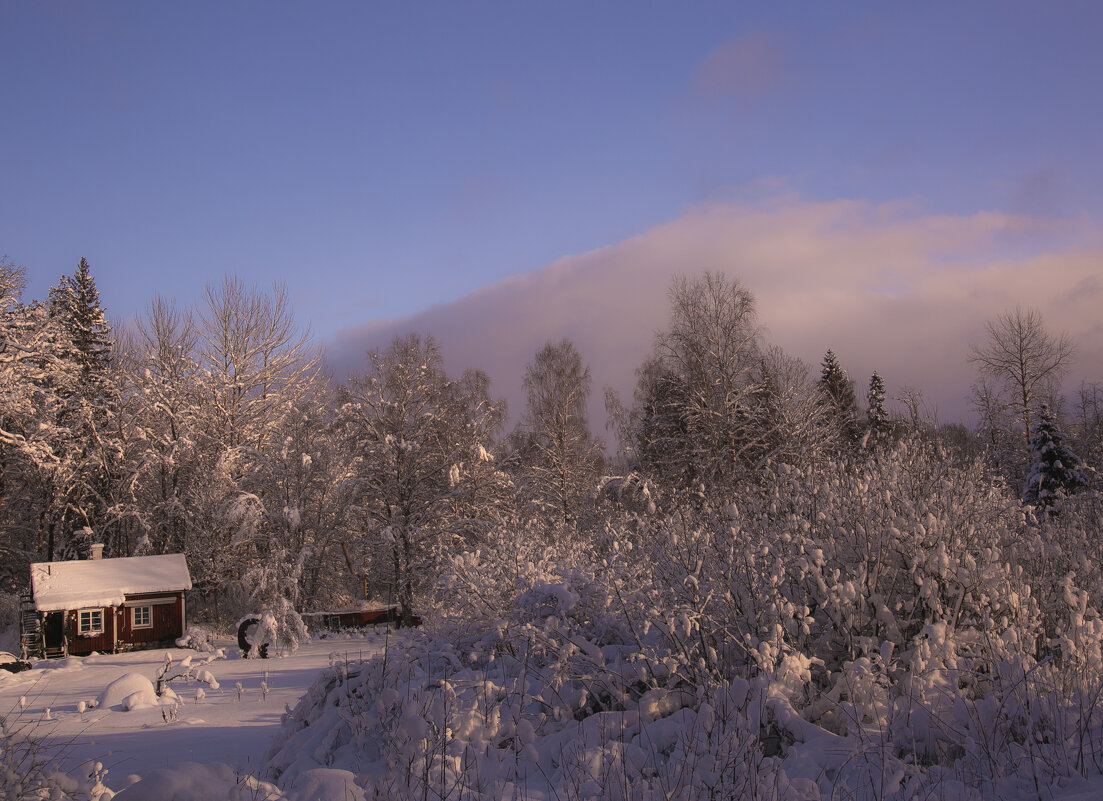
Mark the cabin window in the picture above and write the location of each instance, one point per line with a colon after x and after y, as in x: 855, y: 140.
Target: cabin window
x: 141, y: 617
x: 91, y: 622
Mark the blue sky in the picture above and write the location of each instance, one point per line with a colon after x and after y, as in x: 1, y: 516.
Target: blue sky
x: 383, y: 158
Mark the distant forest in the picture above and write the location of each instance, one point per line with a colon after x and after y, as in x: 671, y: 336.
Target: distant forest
x: 215, y: 432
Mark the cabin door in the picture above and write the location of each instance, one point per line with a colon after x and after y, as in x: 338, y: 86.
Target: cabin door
x: 53, y: 630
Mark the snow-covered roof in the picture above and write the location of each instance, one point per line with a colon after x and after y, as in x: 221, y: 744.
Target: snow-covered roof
x: 104, y: 582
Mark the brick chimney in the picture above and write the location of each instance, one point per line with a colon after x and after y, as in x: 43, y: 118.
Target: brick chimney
x: 95, y: 550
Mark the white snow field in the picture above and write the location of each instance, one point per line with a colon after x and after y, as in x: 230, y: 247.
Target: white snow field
x: 76, y: 711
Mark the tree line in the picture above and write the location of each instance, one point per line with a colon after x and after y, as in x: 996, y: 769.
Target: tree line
x: 215, y: 432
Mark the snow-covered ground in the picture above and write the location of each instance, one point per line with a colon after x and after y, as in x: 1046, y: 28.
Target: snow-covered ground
x: 233, y: 724
x: 228, y: 727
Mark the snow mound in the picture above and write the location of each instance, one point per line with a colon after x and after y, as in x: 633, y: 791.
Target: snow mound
x: 191, y: 781
x: 326, y: 783
x: 128, y: 692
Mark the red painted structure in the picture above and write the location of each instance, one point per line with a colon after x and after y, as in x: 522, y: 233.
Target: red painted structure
x: 105, y: 605
x: 353, y: 618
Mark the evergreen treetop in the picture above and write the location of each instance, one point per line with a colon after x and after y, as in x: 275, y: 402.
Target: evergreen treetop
x: 838, y: 390
x: 875, y: 398
x: 836, y: 382
x: 1056, y: 470
x: 76, y: 302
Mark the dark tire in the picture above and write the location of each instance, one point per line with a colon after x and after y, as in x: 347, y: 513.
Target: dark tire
x: 243, y: 640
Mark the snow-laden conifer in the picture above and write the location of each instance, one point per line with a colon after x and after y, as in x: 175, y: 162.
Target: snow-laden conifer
x: 875, y: 398
x: 76, y: 302
x: 838, y: 391
x: 1055, y: 470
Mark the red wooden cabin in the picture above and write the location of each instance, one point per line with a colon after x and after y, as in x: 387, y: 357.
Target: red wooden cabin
x: 105, y: 605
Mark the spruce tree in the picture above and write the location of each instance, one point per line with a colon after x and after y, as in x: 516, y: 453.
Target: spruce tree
x: 76, y: 302
x: 1056, y: 470
x: 838, y: 391
x: 85, y: 410
x: 875, y: 398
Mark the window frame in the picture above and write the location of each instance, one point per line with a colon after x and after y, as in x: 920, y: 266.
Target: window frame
x: 148, y: 615
x: 89, y: 630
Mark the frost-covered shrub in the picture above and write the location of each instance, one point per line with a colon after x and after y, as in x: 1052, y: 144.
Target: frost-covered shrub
x: 837, y: 562
x: 890, y: 599
x: 516, y: 599
x: 186, y: 671
x: 1063, y: 557
x: 481, y: 585
x: 198, y: 638
x: 27, y: 771
x: 281, y: 628
x: 894, y: 626
x: 886, y: 547
x: 426, y: 721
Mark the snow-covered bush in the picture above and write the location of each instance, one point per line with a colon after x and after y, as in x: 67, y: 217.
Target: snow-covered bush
x: 426, y: 721
x: 186, y: 671
x: 1064, y: 559
x: 273, y: 582
x: 895, y: 626
x: 197, y: 638
x: 911, y: 539
x: 281, y: 628
x: 27, y: 772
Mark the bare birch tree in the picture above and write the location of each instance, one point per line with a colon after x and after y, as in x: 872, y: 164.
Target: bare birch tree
x: 1020, y: 365
x: 697, y: 391
x: 257, y: 358
x: 416, y: 442
x: 560, y: 459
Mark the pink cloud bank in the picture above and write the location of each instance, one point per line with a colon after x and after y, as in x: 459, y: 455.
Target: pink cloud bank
x: 888, y: 288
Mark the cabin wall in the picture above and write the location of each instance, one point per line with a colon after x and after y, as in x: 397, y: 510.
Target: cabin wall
x: 167, y: 618
x: 78, y: 644
x: 119, y: 633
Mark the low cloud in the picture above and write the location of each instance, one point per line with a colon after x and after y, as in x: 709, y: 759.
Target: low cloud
x: 886, y: 287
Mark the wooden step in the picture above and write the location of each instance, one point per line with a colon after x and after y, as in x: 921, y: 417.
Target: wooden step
x: 30, y: 631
